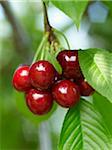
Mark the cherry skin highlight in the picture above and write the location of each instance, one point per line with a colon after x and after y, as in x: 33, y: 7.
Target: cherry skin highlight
x: 21, y: 81
x: 85, y: 88
x: 39, y: 102
x: 66, y: 93
x: 68, y: 59
x: 42, y: 74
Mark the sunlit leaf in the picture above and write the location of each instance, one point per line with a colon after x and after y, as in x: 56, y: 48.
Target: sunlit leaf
x: 85, y: 129
x: 73, y: 8
x: 105, y: 108
x: 96, y: 65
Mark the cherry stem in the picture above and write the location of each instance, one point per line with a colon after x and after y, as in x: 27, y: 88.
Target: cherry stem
x: 44, y: 40
x: 47, y: 25
x: 63, y: 37
x: 46, y: 20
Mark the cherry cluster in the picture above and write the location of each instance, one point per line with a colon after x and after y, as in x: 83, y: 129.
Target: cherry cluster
x: 42, y: 83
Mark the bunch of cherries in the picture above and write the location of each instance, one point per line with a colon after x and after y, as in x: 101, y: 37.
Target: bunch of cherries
x: 42, y: 84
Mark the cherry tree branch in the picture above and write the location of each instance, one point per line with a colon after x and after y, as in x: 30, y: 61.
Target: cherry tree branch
x: 21, y: 38
x: 47, y: 25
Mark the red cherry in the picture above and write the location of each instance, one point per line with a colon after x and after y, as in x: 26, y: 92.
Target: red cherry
x: 66, y: 93
x: 39, y: 102
x: 42, y: 74
x: 21, y: 81
x: 68, y: 59
x: 57, y: 76
x: 79, y: 80
x: 85, y: 88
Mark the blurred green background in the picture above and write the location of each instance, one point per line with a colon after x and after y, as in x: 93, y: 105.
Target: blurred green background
x: 21, y: 31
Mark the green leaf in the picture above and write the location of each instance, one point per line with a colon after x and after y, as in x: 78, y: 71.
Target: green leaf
x: 84, y: 129
x: 24, y: 110
x: 96, y: 65
x: 105, y: 108
x: 73, y: 8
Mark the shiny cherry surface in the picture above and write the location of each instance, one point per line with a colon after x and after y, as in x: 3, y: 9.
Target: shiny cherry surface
x: 21, y: 81
x: 39, y: 102
x: 42, y: 74
x: 68, y: 59
x: 85, y: 88
x: 66, y: 93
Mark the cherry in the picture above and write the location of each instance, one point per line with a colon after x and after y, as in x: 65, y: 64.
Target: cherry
x: 79, y: 80
x: 39, y: 102
x: 68, y: 59
x: 85, y: 88
x: 21, y: 81
x: 66, y: 93
x: 42, y: 74
x: 57, y: 76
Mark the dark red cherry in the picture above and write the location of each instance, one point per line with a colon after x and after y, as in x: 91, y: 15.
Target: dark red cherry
x: 21, y: 81
x: 42, y: 74
x: 39, y: 102
x: 57, y: 76
x: 79, y: 80
x: 85, y: 88
x: 68, y: 59
x: 66, y: 93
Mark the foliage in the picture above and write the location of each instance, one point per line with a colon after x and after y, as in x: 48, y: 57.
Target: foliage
x: 74, y: 11
x: 96, y: 65
x: 84, y: 128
